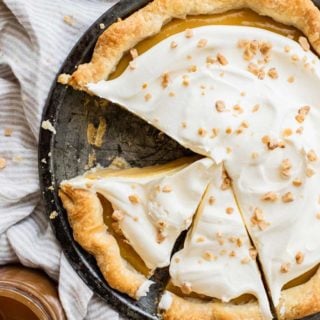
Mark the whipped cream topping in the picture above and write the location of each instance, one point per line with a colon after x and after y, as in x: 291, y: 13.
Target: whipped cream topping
x: 152, y: 209
x: 249, y: 98
x: 217, y: 259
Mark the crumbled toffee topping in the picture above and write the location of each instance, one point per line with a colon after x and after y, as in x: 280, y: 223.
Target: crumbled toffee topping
x: 188, y: 33
x: 285, y: 168
x: 186, y: 288
x: 285, y: 267
x: 202, y: 43
x: 166, y: 189
x: 299, y: 257
x: 134, y: 199
x: 212, y: 200
x: 270, y: 196
x: 8, y: 132
x: 287, y: 197
x: 258, y: 219
x: 302, y: 113
x: 220, y: 106
x: 229, y: 210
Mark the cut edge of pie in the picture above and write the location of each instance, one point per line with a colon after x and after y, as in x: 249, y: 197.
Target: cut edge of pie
x: 125, y: 34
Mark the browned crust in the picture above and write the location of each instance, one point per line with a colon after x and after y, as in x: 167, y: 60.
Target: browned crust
x: 124, y: 35
x: 182, y: 309
x: 85, y: 215
x: 300, y: 301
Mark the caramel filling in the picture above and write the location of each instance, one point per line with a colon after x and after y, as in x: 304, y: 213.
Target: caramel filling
x: 245, y: 298
x: 304, y: 278
x: 236, y: 18
x: 126, y: 251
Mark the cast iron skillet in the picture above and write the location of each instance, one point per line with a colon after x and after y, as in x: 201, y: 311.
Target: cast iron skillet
x: 66, y: 155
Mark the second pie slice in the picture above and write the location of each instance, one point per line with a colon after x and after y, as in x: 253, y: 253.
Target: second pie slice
x: 217, y: 261
x: 149, y: 207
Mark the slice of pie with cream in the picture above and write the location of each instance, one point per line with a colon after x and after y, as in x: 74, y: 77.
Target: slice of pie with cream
x: 247, y: 96
x: 150, y: 207
x: 217, y: 259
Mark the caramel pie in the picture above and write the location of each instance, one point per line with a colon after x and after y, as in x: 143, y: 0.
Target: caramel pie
x: 241, y: 90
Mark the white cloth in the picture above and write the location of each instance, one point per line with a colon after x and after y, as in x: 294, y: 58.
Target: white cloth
x: 34, y: 41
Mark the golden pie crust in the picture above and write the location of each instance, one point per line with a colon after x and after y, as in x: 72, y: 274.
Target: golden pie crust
x: 125, y: 34
x: 84, y: 209
x: 85, y: 215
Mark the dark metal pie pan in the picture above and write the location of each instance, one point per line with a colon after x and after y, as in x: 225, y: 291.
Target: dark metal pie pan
x: 66, y: 155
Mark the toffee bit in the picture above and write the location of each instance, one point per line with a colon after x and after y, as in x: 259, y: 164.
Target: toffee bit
x: 254, y: 155
x: 144, y: 85
x: 220, y: 106
x: 302, y: 113
x: 299, y: 130
x: 288, y: 197
x: 202, y: 43
x: 228, y: 130
x: 166, y: 189
x: 70, y: 20
x: 160, y: 237
x: 165, y: 80
x: 287, y: 132
x: 287, y: 49
x: 117, y: 215
x: 176, y: 260
x: 200, y: 239
x: 208, y: 256
x: 215, y: 132
x: 188, y: 33
x: 232, y: 254
x: 310, y: 172
x: 173, y: 45
x: 229, y: 210
x: 222, y: 59
x: 258, y: 219
x: 311, y: 155
x: 183, y: 124
x: 53, y: 215
x: 265, y: 48
x: 116, y: 228
x: 270, y: 196
x: 256, y: 108
x: 299, y: 257
x: 239, y: 242
x: 226, y: 184
x: 285, y: 267
x: 253, y: 253
x: 186, y: 288
x: 297, y: 182
x: 285, y: 168
x: 192, y: 68
x: 211, y: 200
x: 211, y: 60
x: 134, y: 199
x: 134, y: 53
x: 291, y: 79
x: 318, y: 216
x: 185, y: 81
x: 202, y: 132
x: 245, y: 260
x: 295, y: 58
x: 147, y: 97
x: 273, y: 73
x: 304, y: 43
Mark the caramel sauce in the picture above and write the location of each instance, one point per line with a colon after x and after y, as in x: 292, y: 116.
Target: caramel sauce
x: 235, y: 17
x: 301, y: 279
x: 14, y: 310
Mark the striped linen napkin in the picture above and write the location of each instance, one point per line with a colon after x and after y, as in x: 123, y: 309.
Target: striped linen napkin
x: 35, y: 38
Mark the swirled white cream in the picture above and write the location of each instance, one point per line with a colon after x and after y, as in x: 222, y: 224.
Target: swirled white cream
x: 197, y: 88
x: 153, y: 207
x: 217, y: 259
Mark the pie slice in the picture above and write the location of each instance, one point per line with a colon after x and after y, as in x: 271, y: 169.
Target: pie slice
x: 217, y: 261
x: 150, y: 207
